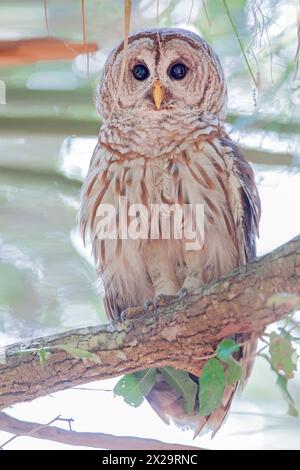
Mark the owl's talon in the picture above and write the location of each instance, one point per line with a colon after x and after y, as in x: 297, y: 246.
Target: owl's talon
x: 150, y: 306
x: 159, y: 301
x: 123, y: 315
x: 164, y: 299
x: 131, y: 312
x: 182, y: 293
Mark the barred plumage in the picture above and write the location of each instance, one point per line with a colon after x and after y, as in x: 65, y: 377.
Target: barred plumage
x: 179, y: 154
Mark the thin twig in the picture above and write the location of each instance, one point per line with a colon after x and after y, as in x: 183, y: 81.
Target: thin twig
x: 84, y: 37
x: 298, y: 45
x: 157, y: 25
x: 191, y: 11
x: 264, y: 30
x: 46, y: 16
x: 67, y: 420
x: 239, y: 41
x: 127, y: 19
x: 206, y: 12
x: 33, y: 431
x: 87, y: 439
x: 296, y: 325
x: 261, y: 350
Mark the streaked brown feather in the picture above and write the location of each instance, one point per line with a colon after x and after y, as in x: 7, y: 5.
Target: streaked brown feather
x: 177, y: 156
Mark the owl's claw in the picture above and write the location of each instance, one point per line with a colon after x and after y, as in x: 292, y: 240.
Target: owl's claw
x: 150, y: 306
x: 159, y: 301
x: 164, y: 299
x: 182, y: 293
x: 123, y: 315
x: 131, y: 312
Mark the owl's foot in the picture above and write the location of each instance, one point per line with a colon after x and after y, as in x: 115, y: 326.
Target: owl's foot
x: 150, y: 306
x: 131, y: 312
x: 159, y: 301
x: 165, y: 299
x: 182, y: 293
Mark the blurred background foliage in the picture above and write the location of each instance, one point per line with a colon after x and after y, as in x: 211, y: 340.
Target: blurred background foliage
x: 49, y: 126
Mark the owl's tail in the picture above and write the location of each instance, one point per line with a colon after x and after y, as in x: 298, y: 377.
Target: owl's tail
x: 167, y: 403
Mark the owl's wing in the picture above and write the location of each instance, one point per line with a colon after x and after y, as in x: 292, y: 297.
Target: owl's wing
x: 244, y: 200
x: 94, y: 190
x: 245, y: 207
x: 87, y: 203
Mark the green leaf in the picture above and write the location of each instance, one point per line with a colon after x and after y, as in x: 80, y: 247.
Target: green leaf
x: 282, y: 383
x: 43, y: 354
x: 287, y: 334
x: 283, y: 355
x: 226, y: 348
x: 146, y: 380
x: 233, y: 372
x: 292, y: 411
x: 134, y: 387
x: 212, y: 385
x: 128, y: 388
x: 183, y: 384
x: 76, y: 352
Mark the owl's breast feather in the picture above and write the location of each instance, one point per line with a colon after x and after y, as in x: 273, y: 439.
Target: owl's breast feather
x: 155, y: 135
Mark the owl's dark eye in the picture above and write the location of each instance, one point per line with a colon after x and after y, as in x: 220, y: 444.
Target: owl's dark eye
x: 140, y: 72
x: 177, y: 71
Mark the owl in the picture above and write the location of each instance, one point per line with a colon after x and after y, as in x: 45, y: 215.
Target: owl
x: 162, y: 143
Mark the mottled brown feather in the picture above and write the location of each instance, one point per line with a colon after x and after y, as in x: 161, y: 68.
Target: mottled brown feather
x: 179, y: 154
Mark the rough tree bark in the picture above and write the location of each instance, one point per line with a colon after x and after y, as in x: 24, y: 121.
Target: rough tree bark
x: 180, y: 334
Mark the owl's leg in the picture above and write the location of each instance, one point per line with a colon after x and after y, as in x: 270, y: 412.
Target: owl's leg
x: 160, y: 270
x: 194, y: 260
x: 162, y: 274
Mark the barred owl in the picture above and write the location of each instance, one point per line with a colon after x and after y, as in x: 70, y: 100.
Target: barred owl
x: 163, y: 142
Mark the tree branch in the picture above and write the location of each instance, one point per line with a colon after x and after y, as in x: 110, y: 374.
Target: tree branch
x: 97, y: 440
x: 178, y: 335
x: 23, y: 51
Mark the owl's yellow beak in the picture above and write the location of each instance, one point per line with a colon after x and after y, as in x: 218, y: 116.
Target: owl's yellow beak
x: 158, y: 93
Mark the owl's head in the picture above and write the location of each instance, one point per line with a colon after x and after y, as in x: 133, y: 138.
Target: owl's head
x: 166, y: 70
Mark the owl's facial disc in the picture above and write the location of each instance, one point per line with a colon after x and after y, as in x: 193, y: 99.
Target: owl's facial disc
x: 177, y: 73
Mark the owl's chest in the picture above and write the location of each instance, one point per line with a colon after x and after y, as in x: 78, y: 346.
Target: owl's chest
x: 197, y: 174
x: 163, y: 177
x: 192, y: 176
